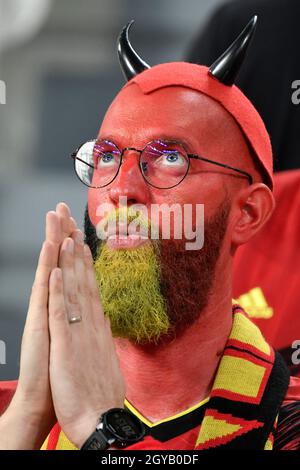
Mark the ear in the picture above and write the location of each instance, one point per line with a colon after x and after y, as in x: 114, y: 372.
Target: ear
x: 251, y: 209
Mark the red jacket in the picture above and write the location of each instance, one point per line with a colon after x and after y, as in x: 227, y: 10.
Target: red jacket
x: 270, y: 262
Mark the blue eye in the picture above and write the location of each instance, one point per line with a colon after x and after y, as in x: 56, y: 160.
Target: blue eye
x: 172, y: 158
x: 107, y: 159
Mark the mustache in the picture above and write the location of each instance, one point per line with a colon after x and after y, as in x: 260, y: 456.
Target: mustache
x: 117, y: 219
x: 124, y: 220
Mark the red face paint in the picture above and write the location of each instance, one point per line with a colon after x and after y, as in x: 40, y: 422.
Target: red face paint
x: 193, y: 108
x: 175, y: 113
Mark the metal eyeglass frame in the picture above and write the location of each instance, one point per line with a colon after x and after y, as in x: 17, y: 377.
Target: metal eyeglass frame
x: 189, y: 155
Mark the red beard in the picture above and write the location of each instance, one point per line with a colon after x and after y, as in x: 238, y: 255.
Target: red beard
x: 187, y: 276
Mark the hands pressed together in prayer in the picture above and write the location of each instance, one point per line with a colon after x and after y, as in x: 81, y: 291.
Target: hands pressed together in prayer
x: 69, y: 370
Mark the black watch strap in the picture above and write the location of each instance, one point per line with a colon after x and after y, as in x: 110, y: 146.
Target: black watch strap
x: 97, y: 441
x: 116, y: 426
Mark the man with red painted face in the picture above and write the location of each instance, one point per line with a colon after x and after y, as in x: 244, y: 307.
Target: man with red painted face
x: 164, y: 360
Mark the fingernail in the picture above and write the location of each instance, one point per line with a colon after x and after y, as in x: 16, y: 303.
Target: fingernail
x: 79, y: 237
x: 69, y: 245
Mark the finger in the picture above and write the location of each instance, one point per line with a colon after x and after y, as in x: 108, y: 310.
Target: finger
x: 80, y: 273
x: 66, y: 263
x: 58, y: 321
x: 73, y: 225
x: 79, y: 265
x: 53, y: 228
x: 97, y: 309
x: 37, y: 312
x: 64, y: 209
x: 64, y: 214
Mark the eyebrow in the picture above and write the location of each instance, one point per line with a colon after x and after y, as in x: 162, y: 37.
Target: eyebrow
x: 186, y: 144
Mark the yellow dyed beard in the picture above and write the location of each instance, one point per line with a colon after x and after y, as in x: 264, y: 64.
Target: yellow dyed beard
x: 129, y: 284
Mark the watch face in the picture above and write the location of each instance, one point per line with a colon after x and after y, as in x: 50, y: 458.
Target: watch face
x: 124, y: 425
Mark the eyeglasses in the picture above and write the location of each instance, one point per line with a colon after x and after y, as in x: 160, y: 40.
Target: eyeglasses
x: 163, y: 163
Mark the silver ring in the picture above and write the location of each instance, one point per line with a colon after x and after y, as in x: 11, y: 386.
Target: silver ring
x: 75, y: 319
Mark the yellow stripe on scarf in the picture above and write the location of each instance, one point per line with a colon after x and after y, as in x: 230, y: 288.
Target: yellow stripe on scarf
x: 63, y: 443
x: 240, y: 377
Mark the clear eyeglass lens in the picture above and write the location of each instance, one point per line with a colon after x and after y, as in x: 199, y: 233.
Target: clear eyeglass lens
x: 164, y: 164
x: 97, y: 163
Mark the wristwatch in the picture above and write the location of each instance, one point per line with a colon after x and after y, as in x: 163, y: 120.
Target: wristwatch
x: 116, y: 427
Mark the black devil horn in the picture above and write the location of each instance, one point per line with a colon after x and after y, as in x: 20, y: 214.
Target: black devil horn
x: 226, y: 68
x: 131, y: 63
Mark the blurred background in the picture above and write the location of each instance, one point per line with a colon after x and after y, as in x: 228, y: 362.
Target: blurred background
x: 59, y: 63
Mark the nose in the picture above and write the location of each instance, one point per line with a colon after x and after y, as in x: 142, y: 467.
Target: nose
x: 130, y: 183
